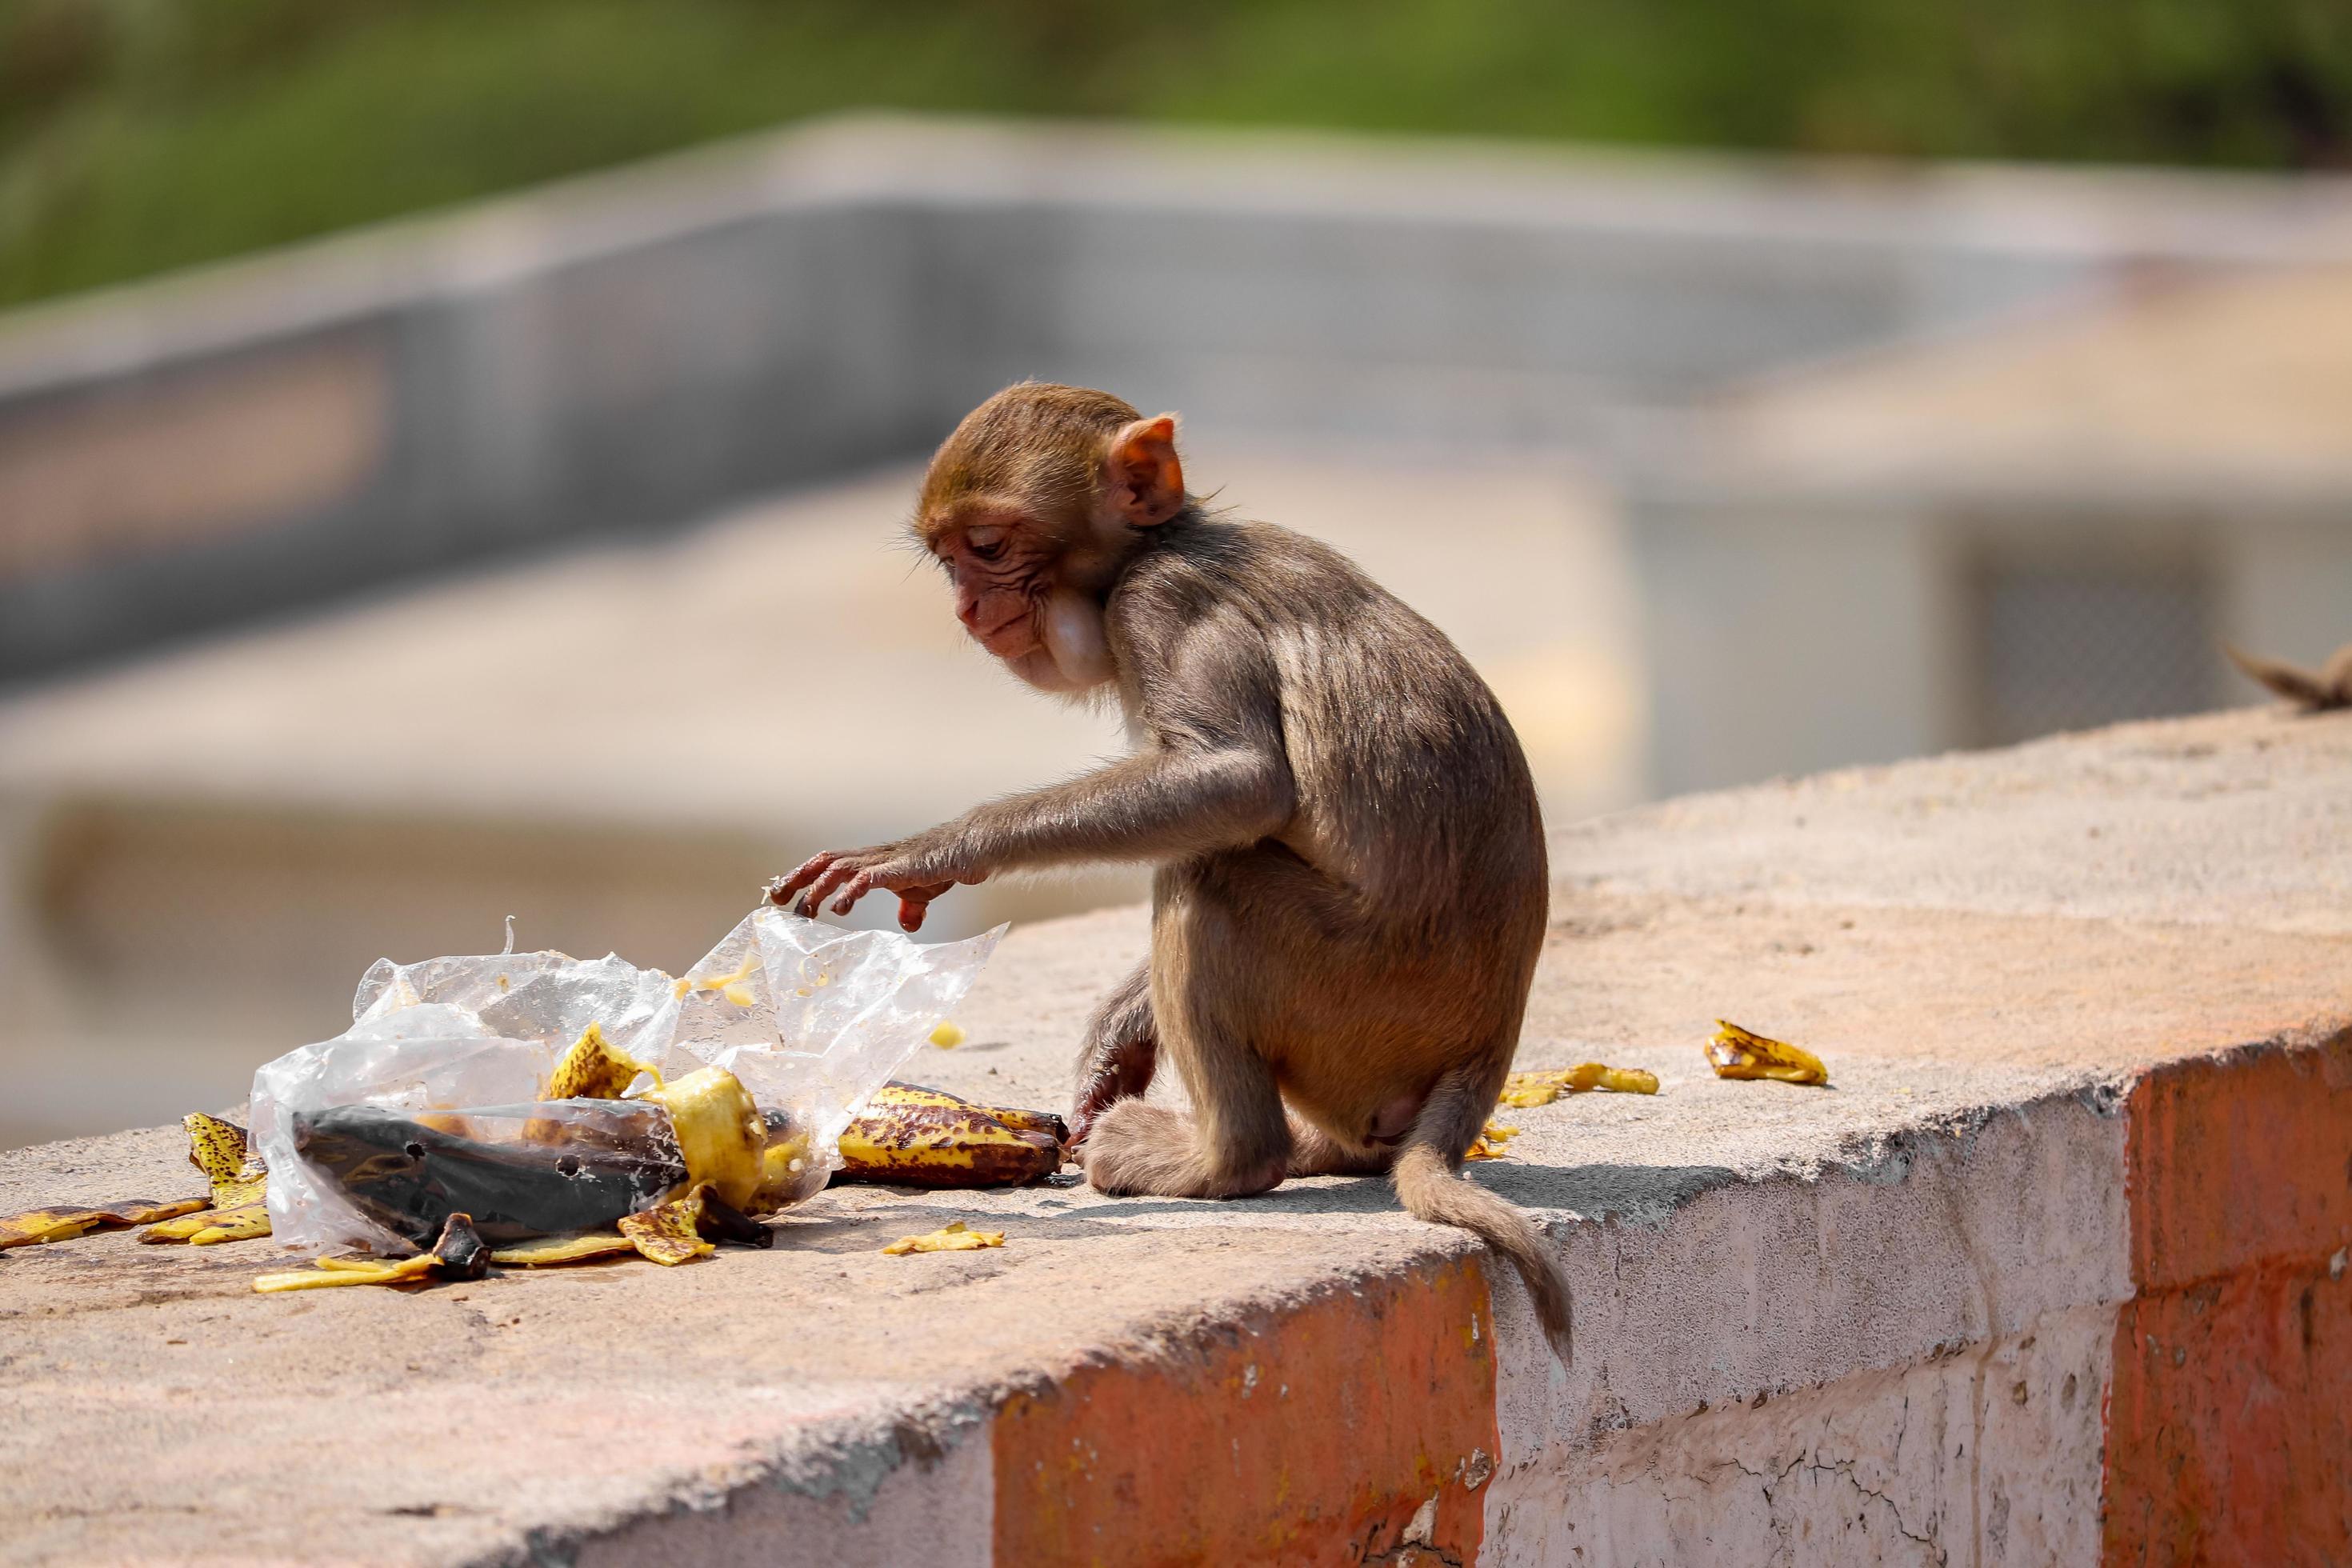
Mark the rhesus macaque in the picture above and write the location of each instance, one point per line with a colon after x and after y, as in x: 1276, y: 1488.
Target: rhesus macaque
x: 1349, y: 888
x: 2314, y: 692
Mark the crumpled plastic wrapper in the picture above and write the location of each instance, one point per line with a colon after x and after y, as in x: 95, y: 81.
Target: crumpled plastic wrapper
x: 812, y: 1018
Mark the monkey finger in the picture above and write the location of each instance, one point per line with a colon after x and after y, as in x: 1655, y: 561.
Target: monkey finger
x: 856, y: 886
x: 783, y: 888
x: 913, y: 903
x: 844, y: 869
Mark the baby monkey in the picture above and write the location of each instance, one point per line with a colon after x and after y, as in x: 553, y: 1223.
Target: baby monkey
x: 1349, y: 886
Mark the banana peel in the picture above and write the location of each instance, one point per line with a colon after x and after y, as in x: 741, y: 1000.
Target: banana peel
x: 916, y: 1137
x: 666, y: 1233
x: 63, y: 1221
x: 1526, y: 1090
x: 239, y: 1210
x: 242, y: 1223
x: 952, y: 1238
x: 894, y: 1094
x: 670, y: 1233
x: 1736, y: 1053
x: 595, y: 1068
x: 582, y: 1246
x: 459, y: 1253
x: 1490, y: 1143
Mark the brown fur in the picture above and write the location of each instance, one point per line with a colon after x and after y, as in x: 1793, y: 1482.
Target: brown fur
x: 1350, y: 887
x: 2324, y: 690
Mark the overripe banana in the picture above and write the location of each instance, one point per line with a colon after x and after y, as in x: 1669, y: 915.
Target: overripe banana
x: 916, y: 1137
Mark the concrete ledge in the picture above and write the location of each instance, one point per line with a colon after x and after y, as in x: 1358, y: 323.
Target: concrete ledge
x: 2054, y: 1274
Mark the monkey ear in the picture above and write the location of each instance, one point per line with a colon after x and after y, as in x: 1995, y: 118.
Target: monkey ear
x: 1147, y: 480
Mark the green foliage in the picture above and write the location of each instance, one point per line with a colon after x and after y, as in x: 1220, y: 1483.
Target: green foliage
x: 141, y: 134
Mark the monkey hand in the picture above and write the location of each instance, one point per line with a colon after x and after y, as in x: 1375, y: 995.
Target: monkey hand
x: 917, y: 873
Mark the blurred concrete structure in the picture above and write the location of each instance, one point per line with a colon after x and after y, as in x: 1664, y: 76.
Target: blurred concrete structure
x: 629, y: 350
x: 1716, y: 468
x: 2046, y: 525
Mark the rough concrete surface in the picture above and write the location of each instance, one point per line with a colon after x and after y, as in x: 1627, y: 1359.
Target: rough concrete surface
x: 1872, y: 1322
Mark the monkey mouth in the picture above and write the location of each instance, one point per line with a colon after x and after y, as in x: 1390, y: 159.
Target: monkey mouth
x: 1010, y: 637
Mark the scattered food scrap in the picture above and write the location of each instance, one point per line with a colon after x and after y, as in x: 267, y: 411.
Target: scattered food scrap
x: 952, y: 1238
x: 1736, y: 1053
x: 948, y: 1036
x: 1525, y: 1090
x: 731, y: 986
x: 1490, y: 1143
x: 63, y: 1221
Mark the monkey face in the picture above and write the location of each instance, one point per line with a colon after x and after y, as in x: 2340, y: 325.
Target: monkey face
x: 1032, y: 507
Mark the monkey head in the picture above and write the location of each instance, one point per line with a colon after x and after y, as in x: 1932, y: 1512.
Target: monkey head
x: 1034, y: 505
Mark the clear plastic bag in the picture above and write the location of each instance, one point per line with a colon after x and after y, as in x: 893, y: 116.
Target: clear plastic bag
x: 811, y: 1018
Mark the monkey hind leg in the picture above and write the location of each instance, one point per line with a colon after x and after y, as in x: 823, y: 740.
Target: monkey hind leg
x: 1148, y: 1150
x: 1315, y: 1152
x: 1428, y: 1183
x: 1121, y: 1054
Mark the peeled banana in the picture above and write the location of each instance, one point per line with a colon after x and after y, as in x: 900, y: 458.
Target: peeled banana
x: 917, y: 1137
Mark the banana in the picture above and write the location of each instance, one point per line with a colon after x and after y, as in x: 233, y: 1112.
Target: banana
x: 917, y: 1142
x: 894, y: 1094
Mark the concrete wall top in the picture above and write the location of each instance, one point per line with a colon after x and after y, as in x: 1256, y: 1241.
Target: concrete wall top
x: 1997, y: 956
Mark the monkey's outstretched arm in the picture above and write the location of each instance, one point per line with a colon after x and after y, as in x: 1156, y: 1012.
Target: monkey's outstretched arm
x: 1159, y: 804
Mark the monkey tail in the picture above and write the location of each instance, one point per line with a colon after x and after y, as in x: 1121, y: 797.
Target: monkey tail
x: 1430, y: 1186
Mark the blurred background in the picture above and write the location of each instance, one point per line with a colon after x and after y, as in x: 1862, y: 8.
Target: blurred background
x: 453, y: 458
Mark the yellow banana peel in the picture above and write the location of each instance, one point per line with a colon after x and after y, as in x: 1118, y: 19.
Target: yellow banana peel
x: 1526, y: 1090
x: 1736, y: 1053
x: 667, y: 1232
x: 333, y: 1271
x: 582, y: 1246
x: 595, y: 1068
x: 63, y: 1221
x: 954, y: 1238
x: 719, y: 1132
x: 1490, y: 1143
x: 240, y: 1182
x: 459, y: 1254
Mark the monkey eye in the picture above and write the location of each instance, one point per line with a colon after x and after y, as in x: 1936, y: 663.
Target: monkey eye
x: 986, y: 543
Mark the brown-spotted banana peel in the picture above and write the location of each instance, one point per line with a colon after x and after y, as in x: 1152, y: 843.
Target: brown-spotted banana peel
x: 911, y: 1136
x: 240, y: 1182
